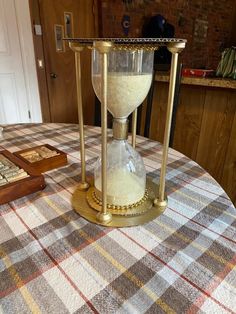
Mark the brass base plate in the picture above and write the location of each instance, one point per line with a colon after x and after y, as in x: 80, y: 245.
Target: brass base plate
x: 81, y: 206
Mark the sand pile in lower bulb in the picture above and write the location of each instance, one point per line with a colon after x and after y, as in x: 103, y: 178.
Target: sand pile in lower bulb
x: 123, y: 187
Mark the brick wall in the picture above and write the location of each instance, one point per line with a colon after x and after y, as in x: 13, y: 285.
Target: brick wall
x: 206, y: 24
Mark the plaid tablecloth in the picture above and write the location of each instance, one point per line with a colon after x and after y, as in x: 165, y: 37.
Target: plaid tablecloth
x: 54, y: 261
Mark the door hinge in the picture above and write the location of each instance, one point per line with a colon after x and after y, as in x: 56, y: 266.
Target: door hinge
x: 29, y: 114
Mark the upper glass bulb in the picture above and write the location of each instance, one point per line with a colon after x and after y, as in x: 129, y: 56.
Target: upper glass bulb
x: 129, y: 79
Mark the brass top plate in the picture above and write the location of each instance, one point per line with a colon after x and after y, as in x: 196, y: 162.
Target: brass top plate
x: 129, y: 43
x: 148, y: 44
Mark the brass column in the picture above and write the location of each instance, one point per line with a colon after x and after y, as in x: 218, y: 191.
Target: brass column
x: 134, y: 127
x: 83, y: 184
x: 175, y: 49
x: 103, y: 48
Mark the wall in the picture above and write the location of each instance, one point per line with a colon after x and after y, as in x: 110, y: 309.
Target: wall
x: 207, y: 25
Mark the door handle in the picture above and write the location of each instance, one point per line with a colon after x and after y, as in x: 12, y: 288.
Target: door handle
x: 53, y: 75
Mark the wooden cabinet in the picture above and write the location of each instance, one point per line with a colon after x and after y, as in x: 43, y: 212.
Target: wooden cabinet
x: 216, y: 126
x: 228, y: 179
x: 205, y: 128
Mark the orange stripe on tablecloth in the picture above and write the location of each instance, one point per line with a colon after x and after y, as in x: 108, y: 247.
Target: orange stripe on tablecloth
x: 180, y: 215
x: 218, y: 258
x: 199, y: 224
x: 206, y: 204
x: 201, y: 248
x: 213, y: 285
x: 203, y: 203
x: 117, y: 265
x: 29, y: 300
x: 186, y: 195
x: 196, y: 186
x: 178, y: 190
x: 50, y: 265
x: 196, y: 245
x: 206, y: 293
x: 58, y: 266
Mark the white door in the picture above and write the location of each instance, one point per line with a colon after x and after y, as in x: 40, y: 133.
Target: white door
x: 15, y: 83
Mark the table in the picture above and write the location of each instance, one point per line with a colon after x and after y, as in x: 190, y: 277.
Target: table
x: 54, y: 261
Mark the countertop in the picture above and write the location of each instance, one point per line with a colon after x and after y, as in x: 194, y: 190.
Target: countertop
x: 201, y: 81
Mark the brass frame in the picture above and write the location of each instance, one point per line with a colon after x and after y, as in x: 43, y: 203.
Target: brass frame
x: 157, y: 194
x: 83, y: 184
x: 134, y: 126
x: 104, y: 217
x: 175, y: 49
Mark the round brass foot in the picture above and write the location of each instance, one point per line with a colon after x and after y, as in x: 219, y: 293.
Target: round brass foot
x: 104, y: 218
x: 160, y: 203
x: 83, y: 186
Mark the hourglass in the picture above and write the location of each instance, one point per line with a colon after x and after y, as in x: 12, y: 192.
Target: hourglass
x: 120, y: 193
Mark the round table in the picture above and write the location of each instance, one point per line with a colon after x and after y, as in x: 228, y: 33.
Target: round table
x: 54, y: 261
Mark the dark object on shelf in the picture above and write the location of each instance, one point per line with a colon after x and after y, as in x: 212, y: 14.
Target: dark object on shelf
x: 158, y: 27
x: 43, y: 157
x: 17, y: 178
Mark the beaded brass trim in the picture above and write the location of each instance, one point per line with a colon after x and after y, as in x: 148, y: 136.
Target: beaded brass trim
x: 134, y: 47
x: 98, y: 200
x: 81, y: 201
x: 133, y: 209
x: 128, y: 41
x: 130, y: 47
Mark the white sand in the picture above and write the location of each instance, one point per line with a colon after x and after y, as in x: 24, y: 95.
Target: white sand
x: 123, y: 187
x: 125, y: 91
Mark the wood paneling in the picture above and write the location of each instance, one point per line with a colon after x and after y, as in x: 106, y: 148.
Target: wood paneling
x: 143, y: 110
x: 205, y: 129
x: 229, y: 174
x: 159, y: 106
x: 188, y: 120
x: 217, y: 121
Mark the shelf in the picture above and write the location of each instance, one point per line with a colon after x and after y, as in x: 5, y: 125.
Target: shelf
x: 201, y: 81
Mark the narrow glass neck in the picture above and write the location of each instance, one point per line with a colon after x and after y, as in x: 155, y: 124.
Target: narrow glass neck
x: 120, y: 129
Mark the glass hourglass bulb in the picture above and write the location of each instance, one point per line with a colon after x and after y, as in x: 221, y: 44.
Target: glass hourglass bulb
x: 126, y: 175
x: 129, y: 79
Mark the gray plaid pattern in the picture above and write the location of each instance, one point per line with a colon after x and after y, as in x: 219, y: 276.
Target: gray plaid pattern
x: 54, y: 261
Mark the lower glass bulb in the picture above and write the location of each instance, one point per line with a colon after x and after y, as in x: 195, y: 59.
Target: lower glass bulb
x: 126, y: 174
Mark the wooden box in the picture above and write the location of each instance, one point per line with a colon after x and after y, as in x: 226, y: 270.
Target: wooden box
x: 22, y: 187
x: 45, y: 164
